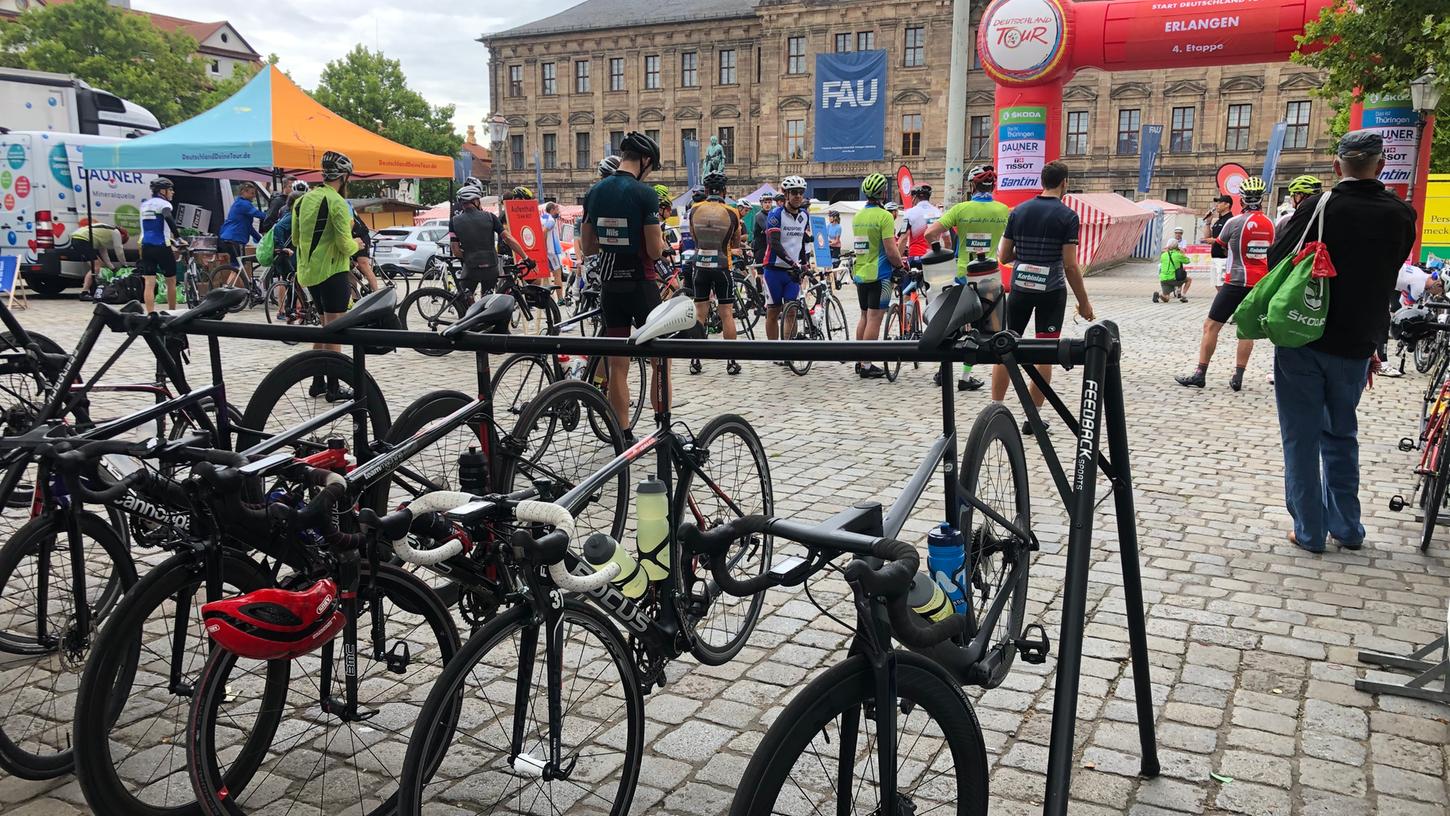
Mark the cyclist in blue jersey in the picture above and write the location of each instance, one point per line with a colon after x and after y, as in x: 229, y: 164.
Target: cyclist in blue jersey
x: 787, y: 252
x: 157, y: 257
x: 237, y: 230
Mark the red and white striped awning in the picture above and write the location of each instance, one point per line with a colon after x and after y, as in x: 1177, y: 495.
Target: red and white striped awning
x: 1111, y: 226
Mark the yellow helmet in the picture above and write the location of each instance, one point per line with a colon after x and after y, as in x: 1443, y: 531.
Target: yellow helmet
x: 664, y: 193
x: 522, y: 192
x: 1308, y: 185
x: 1252, y: 188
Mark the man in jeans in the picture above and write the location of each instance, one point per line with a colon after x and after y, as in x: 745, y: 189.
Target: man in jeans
x: 1369, y: 232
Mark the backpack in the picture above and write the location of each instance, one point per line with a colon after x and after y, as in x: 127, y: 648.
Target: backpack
x: 121, y: 289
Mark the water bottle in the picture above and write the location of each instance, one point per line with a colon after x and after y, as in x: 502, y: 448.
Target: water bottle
x: 473, y: 472
x: 927, y: 599
x: 946, y: 560
x: 576, y: 368
x: 652, y: 517
x: 600, y: 549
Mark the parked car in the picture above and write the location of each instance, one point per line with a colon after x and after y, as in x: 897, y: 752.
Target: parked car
x: 409, y: 247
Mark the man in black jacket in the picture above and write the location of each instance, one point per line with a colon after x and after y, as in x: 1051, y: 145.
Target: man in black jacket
x: 1369, y: 233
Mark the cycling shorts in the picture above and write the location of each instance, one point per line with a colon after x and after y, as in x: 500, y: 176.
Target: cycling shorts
x: 1046, y: 309
x: 333, y: 295
x: 1229, y: 296
x: 874, y: 294
x: 780, y: 287
x: 626, y: 307
x: 234, y: 250
x: 715, y: 282
x: 157, y: 259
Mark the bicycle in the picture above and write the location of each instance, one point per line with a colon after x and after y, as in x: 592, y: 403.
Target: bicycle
x: 906, y: 315
x: 433, y: 308
x: 521, y: 377
x: 823, y: 319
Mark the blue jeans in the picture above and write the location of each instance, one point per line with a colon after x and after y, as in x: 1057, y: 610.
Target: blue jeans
x: 1317, y: 395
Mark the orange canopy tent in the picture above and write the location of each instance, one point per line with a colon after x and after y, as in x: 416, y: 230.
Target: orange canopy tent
x: 269, y: 126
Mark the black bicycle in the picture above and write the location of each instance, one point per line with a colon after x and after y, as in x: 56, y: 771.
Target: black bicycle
x: 434, y: 308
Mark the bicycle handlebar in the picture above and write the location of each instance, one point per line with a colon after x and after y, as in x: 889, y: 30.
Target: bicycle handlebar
x: 422, y: 517
x: 551, y: 548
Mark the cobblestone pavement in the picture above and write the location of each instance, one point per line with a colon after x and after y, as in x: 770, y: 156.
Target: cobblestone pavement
x: 1253, y: 643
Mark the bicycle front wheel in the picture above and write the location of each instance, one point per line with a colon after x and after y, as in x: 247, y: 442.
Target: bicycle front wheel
x: 893, y: 330
x: 518, y: 382
x: 820, y: 755
x: 1425, y: 353
x: 800, y: 328
x: 429, y: 308
x: 835, y: 318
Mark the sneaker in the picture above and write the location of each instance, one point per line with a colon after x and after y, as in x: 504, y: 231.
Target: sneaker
x: 970, y: 384
x: 1391, y: 372
x: 1027, y: 427
x: 732, y: 368
x: 317, y: 389
x: 1156, y: 298
x: 1182, y: 299
x: 1345, y: 544
x: 87, y: 297
x: 695, y: 366
x: 936, y: 379
x: 1236, y: 382
x: 1194, y: 380
x: 872, y: 372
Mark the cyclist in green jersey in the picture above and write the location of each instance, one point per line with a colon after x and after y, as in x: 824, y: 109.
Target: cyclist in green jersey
x: 979, y: 223
x: 877, y: 259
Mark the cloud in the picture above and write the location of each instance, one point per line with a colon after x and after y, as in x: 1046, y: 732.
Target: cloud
x: 436, y: 42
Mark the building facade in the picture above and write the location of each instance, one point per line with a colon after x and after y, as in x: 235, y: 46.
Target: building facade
x: 571, y: 85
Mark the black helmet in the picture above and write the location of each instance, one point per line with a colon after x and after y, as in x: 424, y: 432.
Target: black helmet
x: 335, y: 166
x: 921, y: 191
x: 639, y: 143
x: 159, y: 184
x: 1410, y: 323
x: 714, y: 181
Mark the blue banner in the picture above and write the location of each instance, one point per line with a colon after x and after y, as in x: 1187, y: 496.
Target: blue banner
x: 1152, y: 142
x: 822, y: 241
x: 10, y: 264
x: 850, y: 106
x: 692, y: 163
x: 1271, y: 159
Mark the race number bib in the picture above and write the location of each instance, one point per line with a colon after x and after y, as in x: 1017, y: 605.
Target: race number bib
x: 861, y: 245
x: 975, y: 242
x: 613, y: 231
x: 709, y: 260
x: 1030, y: 277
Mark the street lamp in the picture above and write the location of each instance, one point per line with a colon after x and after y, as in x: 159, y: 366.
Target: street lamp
x: 498, y: 131
x: 1425, y: 93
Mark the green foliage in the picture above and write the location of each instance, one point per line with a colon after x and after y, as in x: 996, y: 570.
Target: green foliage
x: 1380, y: 45
x: 370, y: 90
x: 221, y: 90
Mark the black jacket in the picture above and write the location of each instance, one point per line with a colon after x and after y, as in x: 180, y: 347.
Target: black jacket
x: 1369, y: 232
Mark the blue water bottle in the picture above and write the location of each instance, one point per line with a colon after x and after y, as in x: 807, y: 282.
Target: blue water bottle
x: 946, y: 560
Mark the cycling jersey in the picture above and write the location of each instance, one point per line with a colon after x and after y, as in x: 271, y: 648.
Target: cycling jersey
x: 922, y: 215
x: 1411, y: 283
x: 1039, y: 228
x: 478, y: 233
x: 1247, y: 238
x: 716, y: 226
x: 322, y: 235
x: 155, y: 213
x: 792, y: 232
x: 620, y: 208
x: 979, y: 226
x: 872, y: 227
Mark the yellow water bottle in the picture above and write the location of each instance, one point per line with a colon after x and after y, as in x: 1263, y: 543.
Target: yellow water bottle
x: 600, y: 549
x: 926, y: 597
x: 654, y: 528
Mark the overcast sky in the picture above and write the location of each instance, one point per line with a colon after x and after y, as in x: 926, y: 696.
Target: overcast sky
x: 434, y: 40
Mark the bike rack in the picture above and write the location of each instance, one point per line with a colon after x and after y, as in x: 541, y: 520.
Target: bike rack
x: 1100, y: 413
x: 1417, y: 687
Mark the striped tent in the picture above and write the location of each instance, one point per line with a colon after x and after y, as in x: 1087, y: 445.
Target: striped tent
x: 1111, y: 227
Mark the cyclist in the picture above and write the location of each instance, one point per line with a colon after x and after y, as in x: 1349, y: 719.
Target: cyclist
x: 1299, y: 189
x: 549, y: 220
x: 877, y: 259
x: 621, y: 224
x: 717, y: 233
x: 833, y: 234
x: 363, y: 258
x: 324, y: 245
x: 979, y: 223
x: 277, y: 205
x: 1246, y: 238
x: 1040, y: 243
x: 608, y: 165
x: 665, y: 266
x: 787, y: 250
x: 157, y: 256
x: 96, y: 244
x: 918, y: 217
x: 237, y: 230
x: 476, y: 235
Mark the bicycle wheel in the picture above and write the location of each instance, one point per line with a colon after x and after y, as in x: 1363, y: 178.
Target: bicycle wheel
x: 129, y: 715
x: 795, y: 313
x: 557, y: 445
x: 994, y: 470
x: 224, y: 276
x: 517, y: 382
x: 36, y: 703
x: 835, y: 315
x: 913, y: 325
x: 296, y: 391
x: 543, y: 306
x: 316, y: 756
x: 638, y: 383
x: 429, y: 308
x: 1425, y: 353
x: 1433, y: 494
x: 749, y: 307
x: 500, y: 677
x: 733, y: 459
x: 893, y: 331
x: 820, y: 755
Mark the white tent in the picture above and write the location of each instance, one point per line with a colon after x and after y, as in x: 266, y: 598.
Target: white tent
x: 763, y: 191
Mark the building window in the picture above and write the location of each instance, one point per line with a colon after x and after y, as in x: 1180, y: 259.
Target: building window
x: 687, y: 135
x: 1077, y: 133
x: 1297, y: 117
x: 915, y: 47
x: 654, y: 136
x: 843, y: 43
x: 795, y: 139
x: 1180, y: 133
x: 1129, y: 122
x: 1177, y: 195
x: 795, y: 55
x: 981, y: 138
x: 516, y: 80
x: 551, y: 151
x: 583, y: 155
x: 547, y: 72
x: 865, y: 40
x: 581, y: 77
x: 616, y: 73
x: 911, y: 134
x: 1236, y: 137
x: 616, y: 138
x: 652, y: 72
x: 976, y: 55
x: 727, y: 66
x: 216, y: 66
x: 1126, y: 193
x: 727, y: 141
x: 516, y: 151
x: 689, y: 69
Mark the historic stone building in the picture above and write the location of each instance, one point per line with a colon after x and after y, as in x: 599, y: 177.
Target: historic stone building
x: 572, y: 84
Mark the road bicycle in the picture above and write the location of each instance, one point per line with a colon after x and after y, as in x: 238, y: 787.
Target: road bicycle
x: 521, y: 377
x: 1432, y: 485
x: 906, y: 315
x: 815, y: 314
x: 434, y: 308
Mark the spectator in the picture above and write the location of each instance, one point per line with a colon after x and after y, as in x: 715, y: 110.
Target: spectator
x: 549, y: 220
x: 1213, y: 223
x: 280, y: 203
x: 238, y: 230
x: 96, y: 244
x: 1172, y: 266
x: 1368, y: 232
x: 1184, y: 281
x: 833, y: 234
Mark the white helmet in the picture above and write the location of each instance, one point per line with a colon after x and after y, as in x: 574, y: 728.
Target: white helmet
x: 299, y: 186
x: 793, y: 183
x: 892, y: 206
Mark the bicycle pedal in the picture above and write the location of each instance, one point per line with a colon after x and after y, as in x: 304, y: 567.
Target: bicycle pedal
x: 398, y: 663
x: 1033, y: 649
x: 1406, y: 445
x: 1397, y: 503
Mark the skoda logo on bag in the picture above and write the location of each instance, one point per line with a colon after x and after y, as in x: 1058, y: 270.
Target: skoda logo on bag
x: 1314, y: 295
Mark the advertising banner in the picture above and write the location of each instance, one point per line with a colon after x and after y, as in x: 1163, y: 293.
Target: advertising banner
x: 850, y: 106
x: 538, y: 179
x: 1021, y: 147
x: 1152, y: 140
x: 525, y: 225
x: 822, y: 241
x: 1271, y: 159
x: 1230, y: 177
x: 1435, y: 233
x: 692, y: 163
x: 904, y: 183
x: 1391, y: 116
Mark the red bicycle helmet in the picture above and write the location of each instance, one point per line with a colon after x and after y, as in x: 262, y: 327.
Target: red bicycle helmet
x: 275, y: 624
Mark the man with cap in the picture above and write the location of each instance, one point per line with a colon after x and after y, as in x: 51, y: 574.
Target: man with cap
x: 1368, y: 231
x: 1183, y: 279
x: 1213, y: 223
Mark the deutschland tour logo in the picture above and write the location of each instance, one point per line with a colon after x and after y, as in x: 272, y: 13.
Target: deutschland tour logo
x: 527, y: 234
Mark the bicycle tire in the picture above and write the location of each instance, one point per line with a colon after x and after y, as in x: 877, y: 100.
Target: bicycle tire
x: 749, y: 308
x: 108, y: 684
x: 638, y: 396
x: 987, y: 544
x: 795, y: 312
x: 1432, y: 497
x: 219, y: 279
x: 48, y: 754
x: 435, y: 727
x: 914, y: 321
x: 219, y: 792
x: 1424, y: 354
x: 892, y: 330
x: 441, y: 312
x: 540, y: 301
x: 517, y: 382
x: 840, y: 695
x: 707, y: 510
x: 835, y: 319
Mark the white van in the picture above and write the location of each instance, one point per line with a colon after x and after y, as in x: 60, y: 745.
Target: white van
x: 43, y: 201
x: 39, y: 100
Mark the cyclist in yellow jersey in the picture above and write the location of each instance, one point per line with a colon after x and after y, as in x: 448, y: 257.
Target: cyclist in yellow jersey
x: 979, y: 223
x: 877, y: 259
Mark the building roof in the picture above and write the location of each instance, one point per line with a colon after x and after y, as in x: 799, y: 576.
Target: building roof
x: 478, y: 151
x: 595, y: 14
x: 197, y: 30
x: 364, y: 203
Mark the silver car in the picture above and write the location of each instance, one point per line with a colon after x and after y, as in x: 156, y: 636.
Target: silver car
x: 409, y: 247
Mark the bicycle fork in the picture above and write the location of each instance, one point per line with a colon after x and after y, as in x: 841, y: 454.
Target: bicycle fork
x: 873, y: 642
x: 524, y: 763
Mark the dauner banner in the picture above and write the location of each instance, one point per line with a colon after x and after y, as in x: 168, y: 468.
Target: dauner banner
x: 851, y: 106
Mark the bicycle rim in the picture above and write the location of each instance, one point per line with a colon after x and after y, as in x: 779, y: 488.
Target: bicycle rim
x: 1432, y: 498
x: 795, y: 314
x: 893, y: 331
x: 835, y: 319
x: 516, y: 383
x: 639, y: 381
x: 429, y: 308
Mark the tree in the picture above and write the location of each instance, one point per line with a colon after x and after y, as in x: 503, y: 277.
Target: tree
x: 1380, y: 45
x: 222, y: 90
x: 112, y: 49
x: 370, y: 90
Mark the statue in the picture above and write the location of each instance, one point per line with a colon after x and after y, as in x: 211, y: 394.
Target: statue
x: 714, y: 161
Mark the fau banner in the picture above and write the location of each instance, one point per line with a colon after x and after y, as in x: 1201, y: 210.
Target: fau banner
x: 1152, y: 138
x: 851, y: 106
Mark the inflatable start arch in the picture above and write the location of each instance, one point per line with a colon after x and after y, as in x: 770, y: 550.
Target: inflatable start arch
x: 1030, y: 48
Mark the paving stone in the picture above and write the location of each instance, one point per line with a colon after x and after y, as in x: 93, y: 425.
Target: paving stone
x: 1410, y: 785
x: 1321, y: 716
x: 1252, y: 767
x: 1252, y: 800
x: 1331, y: 776
x: 1179, y: 797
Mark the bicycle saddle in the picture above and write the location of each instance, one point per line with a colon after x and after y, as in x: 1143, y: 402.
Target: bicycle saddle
x: 273, y: 624
x: 489, y: 314
x: 214, y: 306
x: 673, y: 316
x: 376, y: 311
x: 954, y: 310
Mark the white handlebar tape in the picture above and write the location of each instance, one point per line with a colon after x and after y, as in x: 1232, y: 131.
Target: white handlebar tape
x: 434, y: 502
x: 536, y: 512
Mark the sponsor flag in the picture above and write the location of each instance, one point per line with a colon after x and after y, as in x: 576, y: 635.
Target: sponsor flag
x: 1271, y: 158
x: 1152, y: 142
x: 525, y: 225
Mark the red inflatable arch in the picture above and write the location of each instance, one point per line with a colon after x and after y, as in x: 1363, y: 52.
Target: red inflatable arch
x: 1031, y: 47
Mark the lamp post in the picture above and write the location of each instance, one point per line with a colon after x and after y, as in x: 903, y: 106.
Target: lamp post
x: 1425, y: 93
x: 498, y: 132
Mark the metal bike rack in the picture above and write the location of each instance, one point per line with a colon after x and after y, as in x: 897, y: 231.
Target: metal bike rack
x: 1100, y: 412
x: 1417, y: 661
